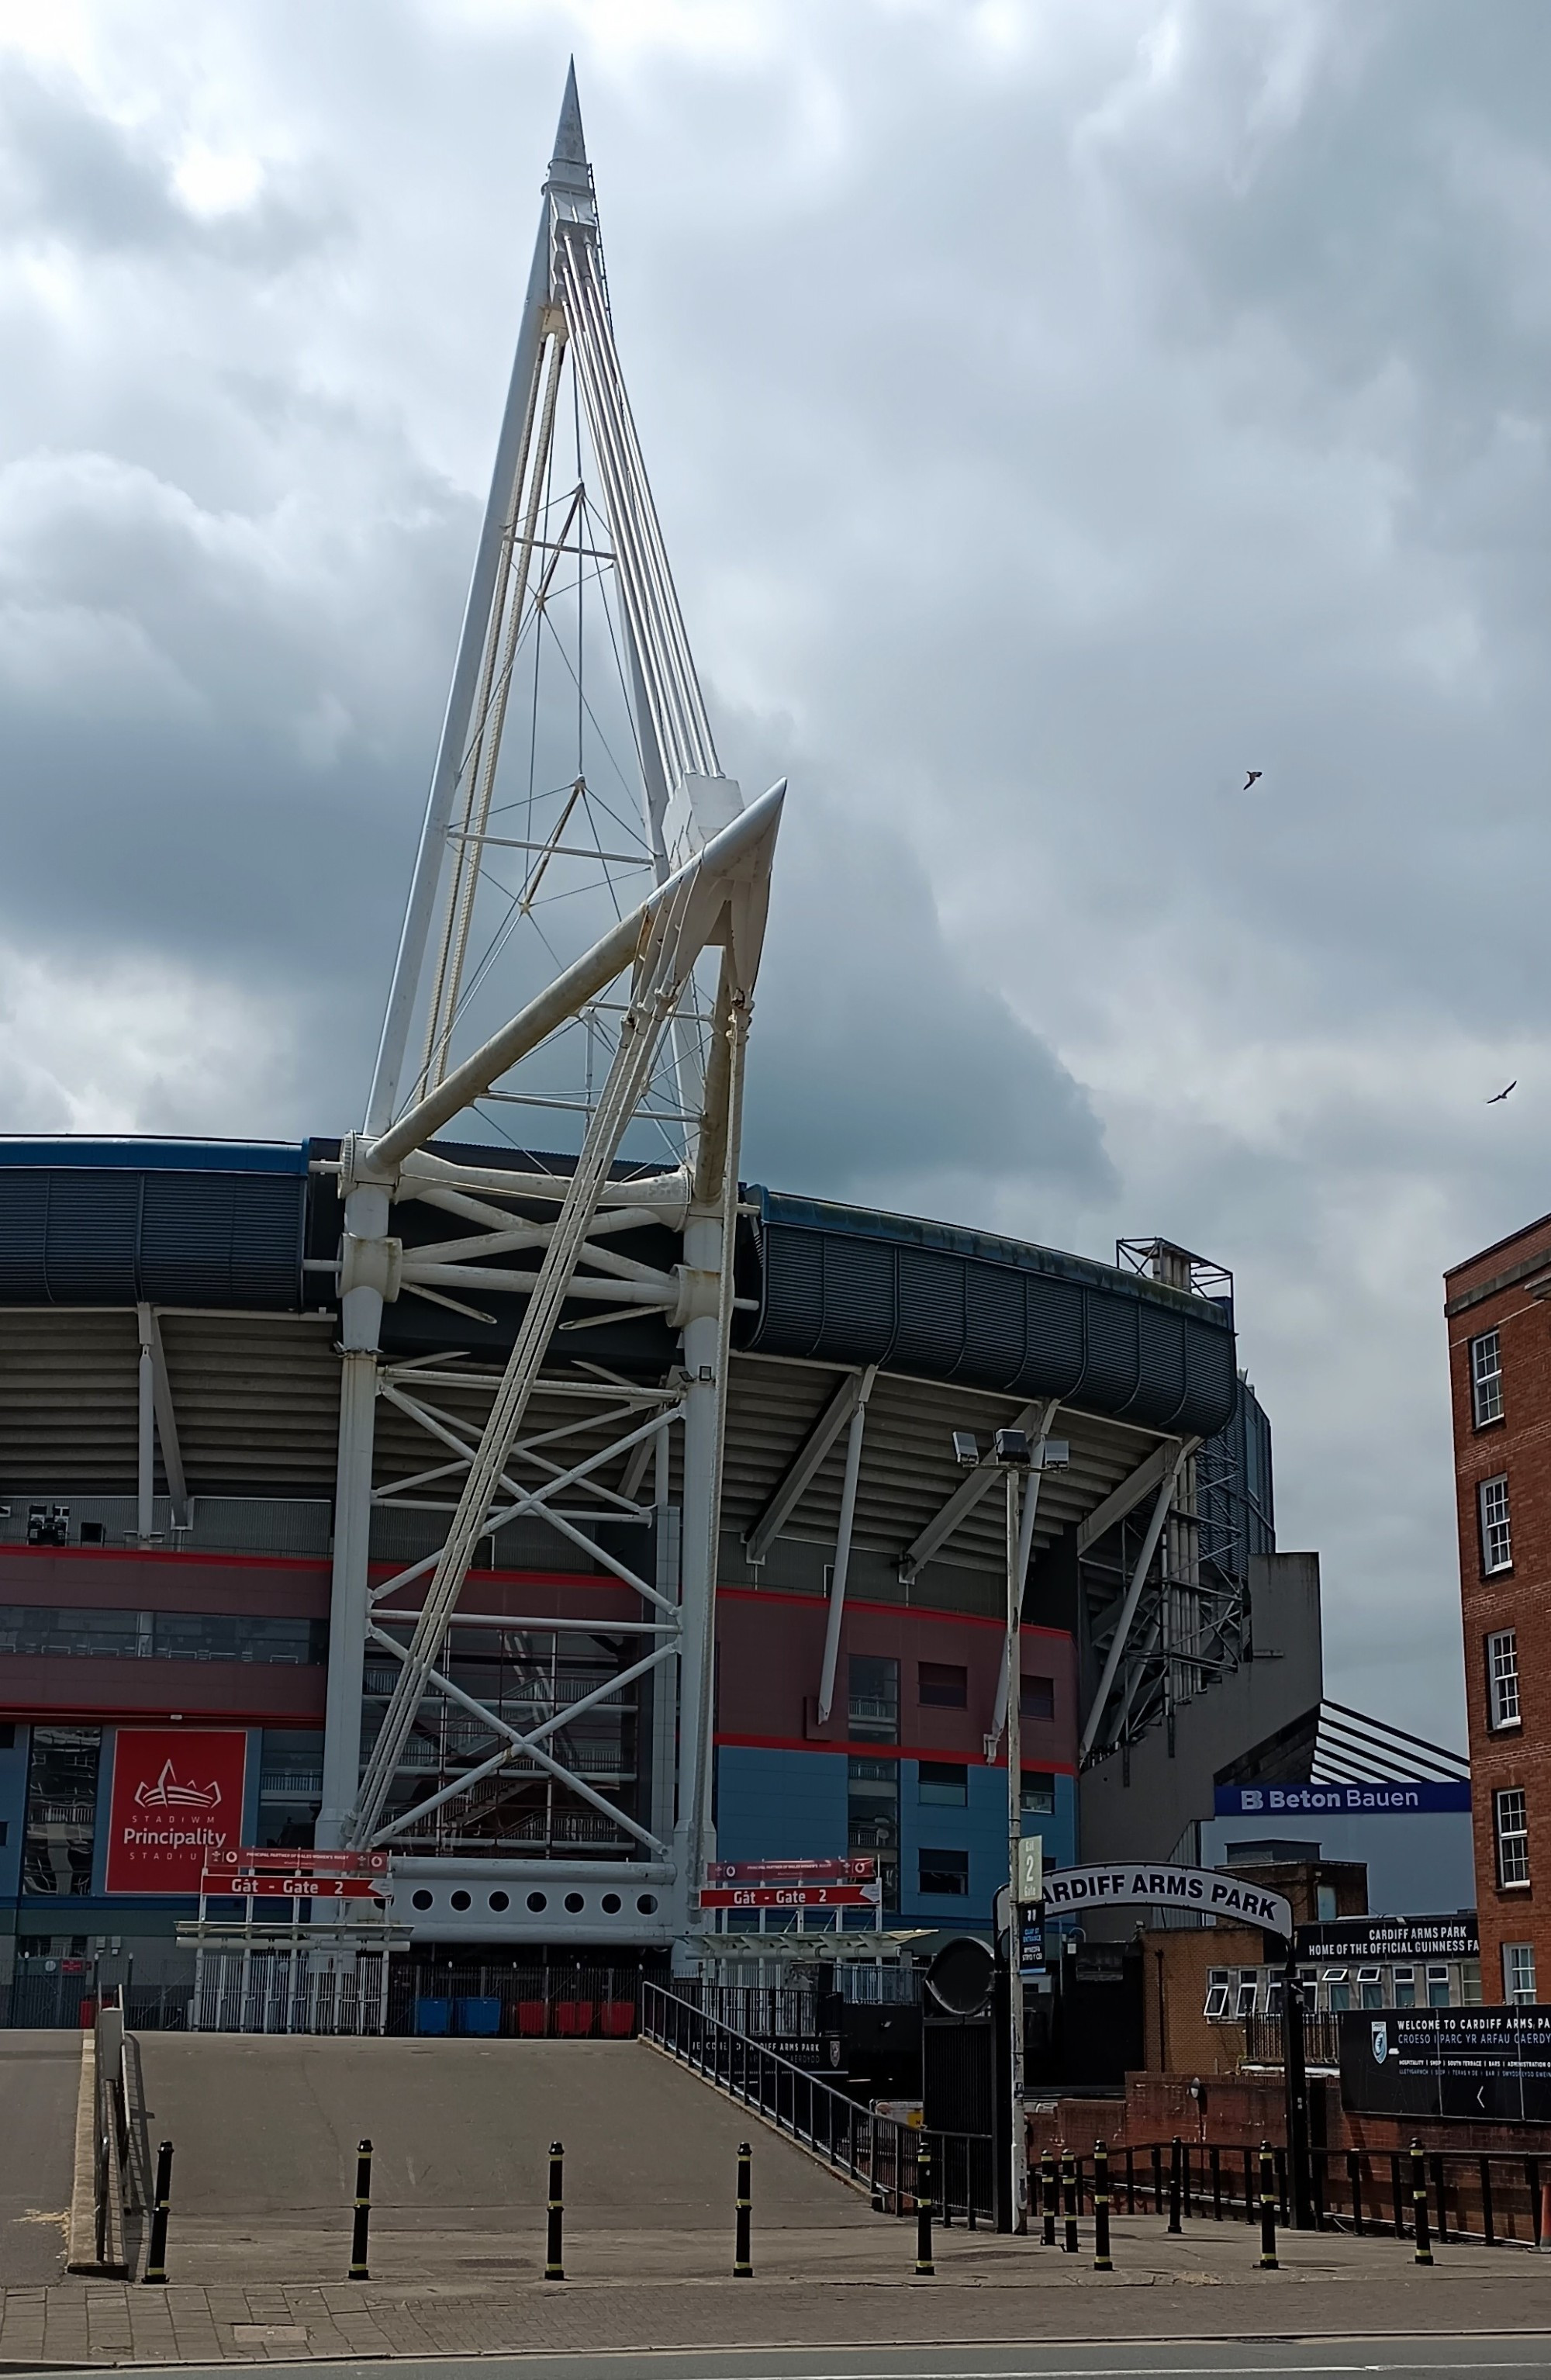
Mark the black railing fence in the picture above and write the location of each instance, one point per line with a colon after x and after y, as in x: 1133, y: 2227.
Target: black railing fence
x: 1493, y: 2196
x: 877, y: 2151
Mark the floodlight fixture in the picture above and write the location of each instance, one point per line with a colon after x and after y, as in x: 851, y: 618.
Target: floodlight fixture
x: 1013, y: 1449
x: 1054, y: 1454
x: 966, y: 1449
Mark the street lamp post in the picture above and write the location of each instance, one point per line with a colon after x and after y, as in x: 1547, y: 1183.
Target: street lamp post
x: 1020, y: 1461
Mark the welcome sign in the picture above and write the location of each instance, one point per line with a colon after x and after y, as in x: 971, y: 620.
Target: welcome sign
x: 1069, y: 1891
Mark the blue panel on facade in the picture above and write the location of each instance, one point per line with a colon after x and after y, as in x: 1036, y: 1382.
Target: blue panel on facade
x: 977, y: 1830
x: 779, y: 1805
x: 13, y: 1811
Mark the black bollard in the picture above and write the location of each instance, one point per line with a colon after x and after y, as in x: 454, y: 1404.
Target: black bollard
x: 1419, y: 2204
x: 1069, y: 2191
x: 363, y: 2212
x: 156, y: 2261
x: 923, y: 2263
x: 1101, y: 2263
x: 742, y: 2251
x: 1267, y: 2209
x: 1048, y: 2198
x: 1176, y: 2163
x: 554, y: 2269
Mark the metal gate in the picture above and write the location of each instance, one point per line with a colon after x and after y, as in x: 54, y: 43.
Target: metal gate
x: 288, y: 1991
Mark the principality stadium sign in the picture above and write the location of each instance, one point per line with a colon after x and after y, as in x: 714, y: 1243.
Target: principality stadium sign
x: 177, y: 1804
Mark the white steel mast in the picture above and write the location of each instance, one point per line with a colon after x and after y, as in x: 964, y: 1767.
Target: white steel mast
x: 705, y: 859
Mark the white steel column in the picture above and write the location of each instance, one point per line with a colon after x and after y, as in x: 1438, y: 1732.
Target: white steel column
x: 366, y: 1222
x: 702, y: 1254
x: 1018, y: 2186
x: 842, y: 1544
x: 145, y: 1466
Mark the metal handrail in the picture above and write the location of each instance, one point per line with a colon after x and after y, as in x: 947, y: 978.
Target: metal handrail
x: 878, y: 2153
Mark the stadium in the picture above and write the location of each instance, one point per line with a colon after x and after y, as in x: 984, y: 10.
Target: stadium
x: 542, y: 1526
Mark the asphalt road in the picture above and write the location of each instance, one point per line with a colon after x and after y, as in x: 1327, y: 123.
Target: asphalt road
x: 40, y: 2078
x: 1489, y: 2354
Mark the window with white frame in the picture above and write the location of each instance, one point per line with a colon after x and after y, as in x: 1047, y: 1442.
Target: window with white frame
x: 1496, y: 1538
x: 1437, y: 1988
x: 1338, y: 1989
x: 1244, y: 1998
x: 1216, y: 1994
x: 1370, y: 1988
x: 1519, y: 1974
x: 1502, y: 1678
x: 1510, y: 1824
x: 1404, y: 1981
x: 1486, y: 1379
x: 1274, y: 1996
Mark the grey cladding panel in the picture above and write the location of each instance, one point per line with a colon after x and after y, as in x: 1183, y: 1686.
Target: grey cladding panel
x: 114, y: 1235
x: 854, y: 1297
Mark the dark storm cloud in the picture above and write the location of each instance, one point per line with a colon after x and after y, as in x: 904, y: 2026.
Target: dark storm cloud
x: 1055, y: 410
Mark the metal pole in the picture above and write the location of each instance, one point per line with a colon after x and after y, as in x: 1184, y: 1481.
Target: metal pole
x: 554, y: 2265
x: 743, y: 2255
x: 1419, y: 2204
x: 1296, y: 2081
x: 1068, y: 2193
x: 1101, y: 2258
x: 702, y: 1253
x: 1048, y: 2198
x: 156, y: 2260
x: 1176, y: 2163
x: 358, y: 2270
x: 923, y: 2265
x: 1267, y: 2209
x: 1018, y: 2146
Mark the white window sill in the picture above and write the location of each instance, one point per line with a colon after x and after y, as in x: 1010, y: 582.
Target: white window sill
x: 1526, y: 1886
x: 1507, y: 1727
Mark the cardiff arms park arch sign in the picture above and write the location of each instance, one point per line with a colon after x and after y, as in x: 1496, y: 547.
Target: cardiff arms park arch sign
x: 1070, y: 1891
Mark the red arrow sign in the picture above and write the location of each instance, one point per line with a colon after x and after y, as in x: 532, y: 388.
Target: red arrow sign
x: 791, y: 1896
x: 272, y: 1886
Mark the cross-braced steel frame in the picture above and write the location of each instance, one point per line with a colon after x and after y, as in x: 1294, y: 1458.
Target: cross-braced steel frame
x: 543, y: 1440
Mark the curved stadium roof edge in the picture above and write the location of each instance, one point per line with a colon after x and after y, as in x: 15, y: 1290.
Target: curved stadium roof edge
x: 92, y: 1221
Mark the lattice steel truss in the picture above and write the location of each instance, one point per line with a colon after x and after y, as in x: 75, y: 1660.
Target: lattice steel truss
x: 489, y: 1729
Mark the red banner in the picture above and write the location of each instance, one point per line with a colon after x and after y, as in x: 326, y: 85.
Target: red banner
x: 791, y: 1871
x: 177, y: 1804
x: 791, y: 1895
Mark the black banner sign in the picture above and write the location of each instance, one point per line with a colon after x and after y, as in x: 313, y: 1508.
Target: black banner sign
x: 1484, y: 2062
x: 1390, y: 1941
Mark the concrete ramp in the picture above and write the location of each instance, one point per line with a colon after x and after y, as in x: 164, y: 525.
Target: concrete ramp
x: 264, y: 2131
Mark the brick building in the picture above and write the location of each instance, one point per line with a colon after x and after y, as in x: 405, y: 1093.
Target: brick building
x: 1499, y: 1352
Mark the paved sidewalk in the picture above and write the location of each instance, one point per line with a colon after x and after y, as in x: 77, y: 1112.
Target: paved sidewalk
x: 642, y: 2291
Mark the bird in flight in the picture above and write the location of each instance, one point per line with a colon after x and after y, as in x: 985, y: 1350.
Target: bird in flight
x: 1254, y: 775
x: 1497, y: 1096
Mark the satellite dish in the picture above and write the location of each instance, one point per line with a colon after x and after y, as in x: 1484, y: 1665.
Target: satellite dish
x: 962, y: 1975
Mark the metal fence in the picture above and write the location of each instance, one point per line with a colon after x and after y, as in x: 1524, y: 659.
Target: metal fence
x: 1322, y: 2039
x: 875, y: 2151
x: 1492, y: 2196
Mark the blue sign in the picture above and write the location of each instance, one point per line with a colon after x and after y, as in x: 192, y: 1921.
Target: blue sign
x: 1399, y: 1797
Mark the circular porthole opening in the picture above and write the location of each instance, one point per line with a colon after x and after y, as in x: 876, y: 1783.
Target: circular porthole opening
x: 611, y: 1904
x: 499, y: 1900
x: 420, y: 1900
x: 647, y: 1904
x: 536, y: 1900
x: 462, y: 1900
x: 575, y: 1903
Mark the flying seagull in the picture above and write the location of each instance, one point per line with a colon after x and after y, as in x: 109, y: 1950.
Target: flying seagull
x: 1254, y: 775
x: 1502, y: 1095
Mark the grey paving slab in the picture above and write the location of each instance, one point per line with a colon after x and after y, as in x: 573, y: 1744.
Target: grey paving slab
x: 40, y: 2075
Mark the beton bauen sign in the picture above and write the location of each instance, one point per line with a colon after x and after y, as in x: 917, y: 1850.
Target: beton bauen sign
x: 1070, y: 1890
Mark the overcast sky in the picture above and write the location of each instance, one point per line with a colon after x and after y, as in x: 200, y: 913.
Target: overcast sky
x: 1056, y: 410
